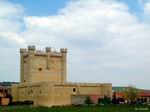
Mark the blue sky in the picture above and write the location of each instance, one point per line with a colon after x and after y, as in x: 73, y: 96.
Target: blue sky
x: 107, y: 40
x: 133, y: 5
x: 50, y: 7
x: 41, y: 7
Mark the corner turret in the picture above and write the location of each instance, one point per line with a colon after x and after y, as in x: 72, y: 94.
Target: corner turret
x: 48, y: 49
x: 31, y: 48
x: 63, y: 50
x: 48, y: 58
x: 22, y: 50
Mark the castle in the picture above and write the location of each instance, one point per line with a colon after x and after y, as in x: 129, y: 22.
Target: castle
x: 43, y: 80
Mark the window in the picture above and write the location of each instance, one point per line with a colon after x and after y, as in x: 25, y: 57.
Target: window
x: 40, y: 69
x: 31, y: 91
x: 74, y: 89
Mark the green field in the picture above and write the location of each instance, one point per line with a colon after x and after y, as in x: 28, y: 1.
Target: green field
x: 76, y: 109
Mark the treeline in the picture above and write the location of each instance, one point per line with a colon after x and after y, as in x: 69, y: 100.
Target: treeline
x: 7, y: 84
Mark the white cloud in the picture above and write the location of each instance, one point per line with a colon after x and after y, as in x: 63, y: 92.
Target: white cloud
x: 10, y: 21
x: 106, y: 42
x: 147, y: 10
x: 147, y: 7
x: 145, y: 4
x: 12, y: 36
x: 9, y: 10
x: 10, y: 28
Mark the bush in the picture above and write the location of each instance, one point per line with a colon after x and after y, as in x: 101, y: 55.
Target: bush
x: 104, y: 101
x: 27, y: 102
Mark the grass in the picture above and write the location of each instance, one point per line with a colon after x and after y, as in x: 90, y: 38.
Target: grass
x: 76, y: 109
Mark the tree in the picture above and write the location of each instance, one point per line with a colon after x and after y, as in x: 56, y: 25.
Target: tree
x: 131, y: 93
x: 114, y: 99
x: 88, y: 100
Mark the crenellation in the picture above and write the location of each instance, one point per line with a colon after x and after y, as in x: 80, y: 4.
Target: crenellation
x: 40, y: 52
x: 63, y: 50
x: 44, y: 53
x: 55, y: 52
x: 48, y: 49
x: 56, y: 55
x: 84, y: 84
x: 23, y: 50
x: 31, y: 48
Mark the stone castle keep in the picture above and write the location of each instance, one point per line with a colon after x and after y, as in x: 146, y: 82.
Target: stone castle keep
x: 37, y: 66
x: 43, y: 76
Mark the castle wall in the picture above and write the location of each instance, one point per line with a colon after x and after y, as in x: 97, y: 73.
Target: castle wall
x: 48, y: 94
x: 14, y: 91
x: 64, y: 92
x: 39, y: 93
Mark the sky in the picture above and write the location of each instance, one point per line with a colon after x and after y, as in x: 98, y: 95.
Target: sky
x: 107, y: 40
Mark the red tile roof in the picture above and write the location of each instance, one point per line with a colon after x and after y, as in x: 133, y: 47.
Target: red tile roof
x: 119, y: 94
x: 2, y: 87
x: 144, y: 93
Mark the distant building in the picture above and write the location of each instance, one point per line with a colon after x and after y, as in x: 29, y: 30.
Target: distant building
x: 43, y: 76
x: 7, y: 85
x: 143, y: 95
x: 3, y: 95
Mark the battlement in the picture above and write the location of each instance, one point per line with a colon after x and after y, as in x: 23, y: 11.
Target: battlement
x: 71, y: 84
x: 63, y: 50
x: 84, y: 84
x: 23, y: 50
x: 31, y: 48
x: 48, y: 49
x: 42, y: 53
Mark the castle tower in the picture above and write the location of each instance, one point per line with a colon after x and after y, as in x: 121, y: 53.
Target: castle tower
x: 31, y: 58
x: 64, y: 65
x: 48, y: 58
x: 21, y: 65
x: 41, y: 66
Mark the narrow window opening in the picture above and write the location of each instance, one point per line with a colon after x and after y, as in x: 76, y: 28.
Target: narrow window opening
x: 40, y: 69
x: 74, y: 89
x: 31, y: 91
